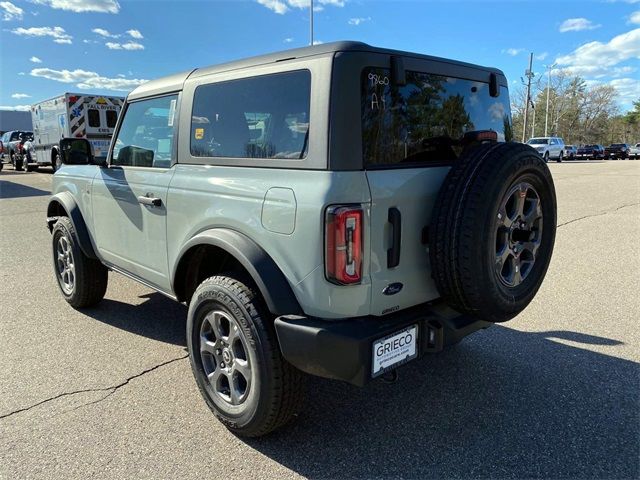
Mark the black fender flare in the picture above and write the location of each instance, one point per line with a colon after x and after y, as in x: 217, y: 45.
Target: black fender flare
x: 268, y: 277
x: 70, y: 206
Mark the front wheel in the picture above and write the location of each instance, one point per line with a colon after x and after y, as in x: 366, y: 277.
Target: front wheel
x: 56, y: 161
x: 236, y: 360
x: 546, y: 157
x: 82, y: 280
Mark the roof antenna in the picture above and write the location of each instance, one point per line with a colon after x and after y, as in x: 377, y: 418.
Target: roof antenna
x: 311, y: 22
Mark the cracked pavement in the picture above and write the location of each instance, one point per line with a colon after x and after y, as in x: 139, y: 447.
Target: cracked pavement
x: 108, y: 392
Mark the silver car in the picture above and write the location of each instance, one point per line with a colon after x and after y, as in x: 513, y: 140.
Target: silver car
x: 548, y: 147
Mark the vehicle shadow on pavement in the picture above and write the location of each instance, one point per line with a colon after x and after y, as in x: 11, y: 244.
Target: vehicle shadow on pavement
x: 158, y: 318
x: 502, y: 404
x: 16, y: 190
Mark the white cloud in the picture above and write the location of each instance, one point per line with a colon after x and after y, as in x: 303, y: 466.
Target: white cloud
x: 634, y: 18
x: 21, y: 73
x: 87, y: 80
x: 20, y: 95
x: 358, y: 20
x: 541, y: 56
x: 10, y: 11
x: 124, y: 46
x: 19, y: 108
x: 318, y: 42
x: 104, y: 33
x: 133, y: 33
x: 628, y: 89
x: 276, y: 5
x: 58, y: 34
x: 35, y: 60
x: 620, y: 48
x: 288, y: 40
x: 513, y: 51
x: 577, y: 24
x: 80, y: 6
x: 496, y: 110
x: 283, y: 6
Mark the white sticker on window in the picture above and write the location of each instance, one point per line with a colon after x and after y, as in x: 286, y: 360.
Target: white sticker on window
x: 172, y: 112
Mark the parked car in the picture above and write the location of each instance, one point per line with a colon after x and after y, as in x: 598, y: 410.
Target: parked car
x: 617, y: 151
x: 308, y: 223
x: 570, y: 152
x: 23, y: 156
x: 11, y: 142
x: 634, y: 151
x: 548, y: 147
x: 590, y: 152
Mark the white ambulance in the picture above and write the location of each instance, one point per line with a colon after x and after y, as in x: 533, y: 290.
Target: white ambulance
x: 77, y: 115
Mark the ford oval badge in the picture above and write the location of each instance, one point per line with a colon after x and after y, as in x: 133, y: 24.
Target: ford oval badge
x: 392, y: 288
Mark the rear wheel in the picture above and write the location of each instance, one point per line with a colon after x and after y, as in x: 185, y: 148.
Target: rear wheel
x: 546, y: 157
x: 560, y: 157
x: 493, y: 229
x: 56, y: 161
x: 236, y: 360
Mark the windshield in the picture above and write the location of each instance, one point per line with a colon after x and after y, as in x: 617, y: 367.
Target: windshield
x: 618, y: 145
x: 591, y: 146
x: 538, y: 141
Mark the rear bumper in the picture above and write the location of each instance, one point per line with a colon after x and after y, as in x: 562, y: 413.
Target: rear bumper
x: 342, y: 349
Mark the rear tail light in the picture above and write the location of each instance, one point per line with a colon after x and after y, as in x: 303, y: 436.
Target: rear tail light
x: 20, y: 147
x: 343, y: 244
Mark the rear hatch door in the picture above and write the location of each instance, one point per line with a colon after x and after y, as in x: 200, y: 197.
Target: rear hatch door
x: 411, y: 134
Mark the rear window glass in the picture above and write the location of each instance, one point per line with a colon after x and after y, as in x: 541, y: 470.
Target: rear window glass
x: 258, y: 117
x: 432, y: 118
x: 112, y: 117
x: 94, y: 117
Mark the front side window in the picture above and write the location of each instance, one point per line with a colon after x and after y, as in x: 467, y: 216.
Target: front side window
x: 145, y: 138
x: 258, y: 117
x: 94, y: 117
x: 432, y: 118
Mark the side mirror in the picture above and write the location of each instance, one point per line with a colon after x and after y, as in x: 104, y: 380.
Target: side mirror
x: 76, y: 151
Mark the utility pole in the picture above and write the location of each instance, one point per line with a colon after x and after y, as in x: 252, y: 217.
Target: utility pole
x: 546, y: 112
x: 533, y: 123
x: 310, y: 22
x: 529, y: 75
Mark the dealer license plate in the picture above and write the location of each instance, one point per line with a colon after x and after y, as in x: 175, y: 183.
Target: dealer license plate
x: 394, y: 350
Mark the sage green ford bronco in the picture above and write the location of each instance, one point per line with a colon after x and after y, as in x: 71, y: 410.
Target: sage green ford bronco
x: 337, y: 210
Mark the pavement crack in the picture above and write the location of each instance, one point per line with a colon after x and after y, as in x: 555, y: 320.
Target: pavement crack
x: 111, y: 389
x: 599, y: 214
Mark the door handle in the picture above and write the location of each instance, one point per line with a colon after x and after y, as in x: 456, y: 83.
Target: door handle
x: 148, y: 199
x: 393, y: 253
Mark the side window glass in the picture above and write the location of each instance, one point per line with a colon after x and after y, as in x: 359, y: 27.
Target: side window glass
x: 145, y: 138
x: 93, y: 117
x: 112, y: 118
x: 257, y: 117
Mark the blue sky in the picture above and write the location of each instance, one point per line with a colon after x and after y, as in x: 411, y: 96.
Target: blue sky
x: 109, y: 46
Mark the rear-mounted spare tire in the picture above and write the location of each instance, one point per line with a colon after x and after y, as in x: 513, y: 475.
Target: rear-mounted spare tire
x: 492, y: 231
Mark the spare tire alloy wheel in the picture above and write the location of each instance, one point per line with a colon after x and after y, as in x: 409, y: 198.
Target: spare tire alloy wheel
x: 492, y: 231
x: 518, y: 234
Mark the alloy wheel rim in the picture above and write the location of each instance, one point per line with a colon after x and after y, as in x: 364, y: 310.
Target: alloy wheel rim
x: 518, y: 234
x: 66, y: 265
x: 224, y: 356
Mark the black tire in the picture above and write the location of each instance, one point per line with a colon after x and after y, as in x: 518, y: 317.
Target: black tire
x: 546, y: 157
x: 89, y: 275
x: 274, y: 392
x: 28, y: 165
x: 466, y: 226
x: 55, y: 161
x: 559, y: 157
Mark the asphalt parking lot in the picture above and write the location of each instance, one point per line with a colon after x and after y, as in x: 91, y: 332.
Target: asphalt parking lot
x: 555, y: 393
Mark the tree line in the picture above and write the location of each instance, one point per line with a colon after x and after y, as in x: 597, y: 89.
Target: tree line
x: 579, y: 113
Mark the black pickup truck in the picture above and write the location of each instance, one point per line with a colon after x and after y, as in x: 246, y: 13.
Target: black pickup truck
x: 617, y: 150
x: 590, y: 152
